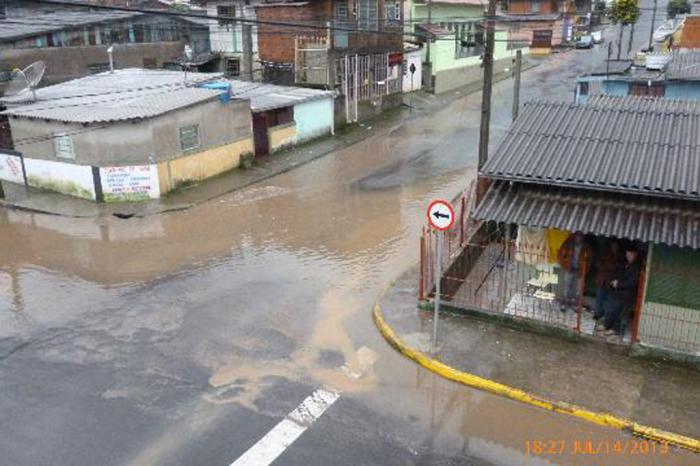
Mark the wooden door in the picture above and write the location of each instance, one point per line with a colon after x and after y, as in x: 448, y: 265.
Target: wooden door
x: 262, y: 144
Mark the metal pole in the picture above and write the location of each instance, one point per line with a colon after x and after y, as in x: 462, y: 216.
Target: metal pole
x: 651, y: 31
x: 430, y: 17
x: 516, y: 83
x: 506, y: 261
x: 438, y: 273
x: 410, y: 106
x: 486, y: 92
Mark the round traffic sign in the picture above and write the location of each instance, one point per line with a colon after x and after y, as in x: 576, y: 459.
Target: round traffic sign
x: 441, y: 215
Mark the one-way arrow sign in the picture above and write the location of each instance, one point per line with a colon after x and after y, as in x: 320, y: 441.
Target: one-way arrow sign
x: 441, y: 215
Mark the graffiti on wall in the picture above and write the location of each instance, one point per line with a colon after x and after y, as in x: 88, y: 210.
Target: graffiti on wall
x: 130, y: 183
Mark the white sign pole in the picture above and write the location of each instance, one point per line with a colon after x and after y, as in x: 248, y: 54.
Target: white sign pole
x: 441, y: 216
x: 438, y: 276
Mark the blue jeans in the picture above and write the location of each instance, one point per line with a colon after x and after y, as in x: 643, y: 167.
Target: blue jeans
x: 601, y: 297
x: 616, y: 315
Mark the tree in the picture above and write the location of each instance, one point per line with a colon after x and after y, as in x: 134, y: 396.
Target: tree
x: 624, y: 12
x: 677, y: 7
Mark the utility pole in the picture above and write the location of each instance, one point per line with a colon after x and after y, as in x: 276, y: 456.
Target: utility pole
x: 629, y: 45
x: 247, y: 30
x: 488, y: 82
x: 427, y: 48
x: 619, y: 42
x: 516, y: 83
x: 651, y: 31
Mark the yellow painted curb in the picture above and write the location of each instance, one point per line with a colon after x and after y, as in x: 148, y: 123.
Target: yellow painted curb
x: 471, y: 380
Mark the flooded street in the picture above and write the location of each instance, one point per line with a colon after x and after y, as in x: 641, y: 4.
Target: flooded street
x: 183, y: 338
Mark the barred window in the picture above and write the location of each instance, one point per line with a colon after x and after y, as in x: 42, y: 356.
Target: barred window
x: 63, y: 146
x: 366, y: 14
x: 226, y: 11
x: 189, y: 137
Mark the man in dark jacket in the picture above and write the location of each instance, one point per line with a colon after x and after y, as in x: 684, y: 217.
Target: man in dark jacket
x: 622, y: 294
x: 607, y: 266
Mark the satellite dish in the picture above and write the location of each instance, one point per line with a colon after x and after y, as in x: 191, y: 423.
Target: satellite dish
x: 26, y: 79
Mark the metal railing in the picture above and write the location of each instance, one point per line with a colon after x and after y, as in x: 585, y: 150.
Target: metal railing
x: 489, y: 273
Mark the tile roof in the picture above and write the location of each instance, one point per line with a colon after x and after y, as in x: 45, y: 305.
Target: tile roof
x: 674, y: 222
x: 685, y: 65
x: 125, y: 94
x: 28, y: 19
x: 269, y: 96
x: 633, y: 144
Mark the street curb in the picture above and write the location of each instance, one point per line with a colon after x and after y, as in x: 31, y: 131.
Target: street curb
x: 492, y: 386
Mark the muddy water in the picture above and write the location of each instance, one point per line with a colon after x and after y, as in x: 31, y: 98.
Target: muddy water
x: 306, y: 252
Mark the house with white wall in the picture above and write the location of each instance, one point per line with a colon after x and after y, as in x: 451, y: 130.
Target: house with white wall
x: 125, y: 135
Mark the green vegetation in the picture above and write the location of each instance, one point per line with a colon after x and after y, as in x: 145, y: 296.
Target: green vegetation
x: 677, y: 7
x: 624, y: 12
x: 65, y: 187
x: 247, y: 159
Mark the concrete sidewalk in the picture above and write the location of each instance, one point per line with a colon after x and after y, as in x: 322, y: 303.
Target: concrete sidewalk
x: 590, y: 374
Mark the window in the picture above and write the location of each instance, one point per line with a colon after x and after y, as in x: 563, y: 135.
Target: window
x: 469, y: 38
x: 393, y: 12
x: 189, y: 137
x: 63, y: 146
x: 535, y: 6
x: 233, y: 67
x: 366, y: 14
x: 226, y: 10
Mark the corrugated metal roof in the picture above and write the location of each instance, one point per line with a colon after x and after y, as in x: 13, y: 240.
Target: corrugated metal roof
x: 612, y: 67
x: 674, y: 222
x: 265, y: 97
x: 685, y: 65
x: 31, y: 19
x: 123, y: 95
x: 634, y: 144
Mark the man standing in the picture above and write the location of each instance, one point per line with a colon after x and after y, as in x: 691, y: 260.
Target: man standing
x: 607, y: 266
x: 623, y: 294
x: 572, y: 257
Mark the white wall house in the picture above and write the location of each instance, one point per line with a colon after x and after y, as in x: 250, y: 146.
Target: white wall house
x: 412, y: 81
x: 227, y: 38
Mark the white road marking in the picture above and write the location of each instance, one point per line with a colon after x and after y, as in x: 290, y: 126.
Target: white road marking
x: 288, y: 430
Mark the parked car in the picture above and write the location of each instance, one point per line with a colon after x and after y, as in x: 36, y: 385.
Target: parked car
x: 584, y: 42
x: 597, y: 37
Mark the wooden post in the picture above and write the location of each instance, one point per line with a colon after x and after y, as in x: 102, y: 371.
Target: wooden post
x: 516, y: 83
x: 488, y: 82
x: 641, y: 294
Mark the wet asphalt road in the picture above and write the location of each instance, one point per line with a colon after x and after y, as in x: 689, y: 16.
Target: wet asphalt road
x: 185, y: 338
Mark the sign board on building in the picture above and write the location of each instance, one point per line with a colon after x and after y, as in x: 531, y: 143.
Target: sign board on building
x: 395, y: 58
x: 11, y: 168
x: 130, y: 183
x: 542, y: 38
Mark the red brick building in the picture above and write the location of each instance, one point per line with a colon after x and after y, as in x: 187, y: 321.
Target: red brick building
x: 352, y: 46
x: 539, y: 24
